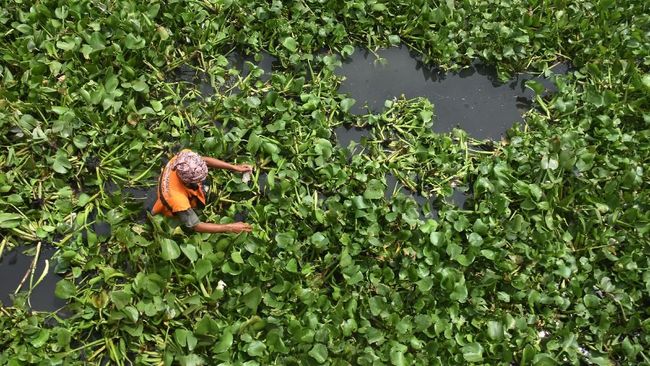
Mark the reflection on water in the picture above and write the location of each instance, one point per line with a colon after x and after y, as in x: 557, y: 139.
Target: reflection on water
x: 472, y: 99
x: 13, y: 267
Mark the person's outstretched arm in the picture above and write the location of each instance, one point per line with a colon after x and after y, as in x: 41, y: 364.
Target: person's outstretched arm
x: 218, y: 164
x: 191, y: 220
x: 236, y: 227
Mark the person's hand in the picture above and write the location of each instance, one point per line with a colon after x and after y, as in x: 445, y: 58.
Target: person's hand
x: 240, y: 227
x: 243, y: 168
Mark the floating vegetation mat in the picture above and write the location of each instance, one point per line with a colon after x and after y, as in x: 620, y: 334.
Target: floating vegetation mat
x: 434, y: 183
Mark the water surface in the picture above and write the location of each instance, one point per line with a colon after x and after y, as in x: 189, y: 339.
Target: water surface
x: 15, y: 264
x: 472, y: 99
x: 346, y: 134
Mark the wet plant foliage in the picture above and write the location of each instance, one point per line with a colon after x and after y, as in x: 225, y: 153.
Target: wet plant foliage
x: 546, y: 264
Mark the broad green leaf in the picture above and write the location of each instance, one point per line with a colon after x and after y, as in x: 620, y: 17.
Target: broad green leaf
x: 65, y: 289
x: 120, y: 298
x: 256, y: 349
x: 190, y: 252
x: 319, y: 353
x: 42, y: 337
x: 191, y: 360
x: 374, y: 190
x: 292, y: 266
x: 140, y: 86
x: 436, y: 238
x: 347, y: 103
x: 252, y: 298
x: 207, y: 327
x: 543, y: 359
x: 224, y: 343
x: 495, y: 330
x: 290, y: 44
x: 170, y: 249
x: 236, y: 257
x: 111, y: 84
x: 202, y: 267
x: 9, y: 220
x: 473, y: 352
x: 397, y: 355
x: 156, y: 105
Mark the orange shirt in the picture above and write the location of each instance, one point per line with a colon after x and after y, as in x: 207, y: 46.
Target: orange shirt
x: 174, y: 195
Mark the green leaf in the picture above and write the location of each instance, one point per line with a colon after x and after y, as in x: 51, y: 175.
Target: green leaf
x: 319, y: 240
x: 61, y: 163
x: 9, y: 220
x: 65, y: 289
x: 80, y: 141
x: 591, y: 301
x: 185, y: 338
x: 252, y: 298
x: 202, y: 267
x: 207, y: 327
x: 645, y: 80
x: 236, y: 257
x: 120, y: 298
x: 256, y: 349
x: 292, y: 266
x: 394, y: 39
x: 473, y: 352
x: 140, y: 86
x: 170, y: 249
x: 535, y: 86
x: 397, y: 354
x: 290, y: 44
x: 319, y: 353
x: 156, y: 105
x: 374, y: 190
x: 436, y: 238
x: 543, y: 359
x: 460, y: 292
x: 454, y: 250
x: 225, y: 342
x: 42, y: 338
x: 495, y: 330
x: 347, y: 103
x: 191, y: 360
x: 111, y: 84
x: 190, y: 252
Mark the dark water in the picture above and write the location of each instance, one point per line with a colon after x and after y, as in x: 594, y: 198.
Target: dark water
x: 203, y: 84
x: 427, y: 205
x: 14, y: 265
x: 459, y: 198
x: 347, y: 134
x: 472, y: 99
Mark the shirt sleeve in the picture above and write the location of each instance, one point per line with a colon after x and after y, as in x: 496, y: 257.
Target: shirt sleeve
x: 188, y: 217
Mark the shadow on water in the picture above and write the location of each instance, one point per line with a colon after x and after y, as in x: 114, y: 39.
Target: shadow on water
x: 13, y: 267
x: 472, y: 99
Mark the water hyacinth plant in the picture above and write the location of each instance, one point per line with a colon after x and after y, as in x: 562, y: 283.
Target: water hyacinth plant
x: 545, y: 264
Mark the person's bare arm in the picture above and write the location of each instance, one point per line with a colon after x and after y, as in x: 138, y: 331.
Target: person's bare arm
x: 218, y: 164
x: 237, y: 227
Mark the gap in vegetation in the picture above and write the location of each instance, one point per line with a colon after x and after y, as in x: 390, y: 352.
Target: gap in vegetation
x: 473, y: 99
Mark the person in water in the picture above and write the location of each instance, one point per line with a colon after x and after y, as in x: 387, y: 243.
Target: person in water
x: 180, y: 190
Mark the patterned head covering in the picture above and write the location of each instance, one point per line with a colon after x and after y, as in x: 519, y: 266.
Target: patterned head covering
x: 190, y: 167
